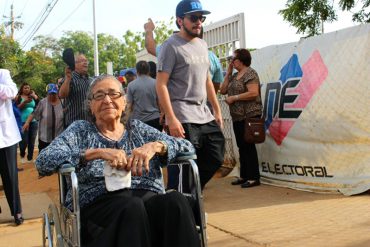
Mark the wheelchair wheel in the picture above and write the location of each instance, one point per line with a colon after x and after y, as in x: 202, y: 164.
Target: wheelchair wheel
x: 51, y: 230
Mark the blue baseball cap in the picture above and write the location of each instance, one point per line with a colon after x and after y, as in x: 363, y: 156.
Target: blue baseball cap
x: 190, y: 6
x: 52, y: 88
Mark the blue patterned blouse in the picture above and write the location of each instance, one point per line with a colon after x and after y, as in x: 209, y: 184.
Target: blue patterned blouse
x: 82, y: 135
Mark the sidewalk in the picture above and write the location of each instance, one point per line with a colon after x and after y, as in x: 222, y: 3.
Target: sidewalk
x: 259, y: 216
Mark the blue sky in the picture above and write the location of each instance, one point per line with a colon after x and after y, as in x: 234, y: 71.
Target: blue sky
x: 264, y: 26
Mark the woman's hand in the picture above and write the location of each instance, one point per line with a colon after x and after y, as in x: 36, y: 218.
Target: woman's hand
x: 33, y: 95
x: 230, y: 69
x: 25, y: 127
x: 117, y: 158
x: 28, y: 100
x: 141, y: 156
x: 231, y: 99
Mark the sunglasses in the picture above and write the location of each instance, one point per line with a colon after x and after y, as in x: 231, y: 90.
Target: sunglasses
x: 195, y: 18
x: 231, y: 59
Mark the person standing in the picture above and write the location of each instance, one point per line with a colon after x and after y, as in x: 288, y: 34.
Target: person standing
x: 73, y: 90
x: 9, y: 138
x: 215, y: 68
x: 26, y: 100
x: 183, y: 86
x: 244, y: 100
x: 142, y: 97
x: 49, y: 113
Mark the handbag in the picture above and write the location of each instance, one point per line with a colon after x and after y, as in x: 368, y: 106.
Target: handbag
x: 254, y: 130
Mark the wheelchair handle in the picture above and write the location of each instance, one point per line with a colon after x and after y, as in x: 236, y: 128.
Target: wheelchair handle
x: 66, y: 169
x: 184, y: 156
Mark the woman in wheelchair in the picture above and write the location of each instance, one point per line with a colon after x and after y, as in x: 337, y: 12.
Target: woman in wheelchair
x: 140, y: 215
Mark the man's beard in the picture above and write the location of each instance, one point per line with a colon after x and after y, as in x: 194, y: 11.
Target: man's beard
x: 192, y: 34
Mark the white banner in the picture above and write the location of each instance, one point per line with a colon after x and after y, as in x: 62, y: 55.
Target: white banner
x: 317, y: 105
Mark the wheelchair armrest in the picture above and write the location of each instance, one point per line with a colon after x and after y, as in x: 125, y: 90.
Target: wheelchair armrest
x: 184, y: 156
x: 66, y: 169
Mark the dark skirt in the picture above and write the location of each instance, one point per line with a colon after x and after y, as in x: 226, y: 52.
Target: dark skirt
x: 139, y: 218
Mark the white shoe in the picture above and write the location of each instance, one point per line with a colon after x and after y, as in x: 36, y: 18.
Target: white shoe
x: 23, y: 161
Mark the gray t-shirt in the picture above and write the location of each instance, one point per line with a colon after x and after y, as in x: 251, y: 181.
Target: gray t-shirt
x: 187, y: 64
x: 142, y: 95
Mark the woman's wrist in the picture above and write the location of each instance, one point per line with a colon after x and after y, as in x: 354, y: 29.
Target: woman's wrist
x: 236, y: 97
x: 162, y: 150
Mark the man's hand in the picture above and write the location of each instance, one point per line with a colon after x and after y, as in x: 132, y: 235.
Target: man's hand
x: 149, y: 26
x: 175, y: 127
x: 219, y: 120
x: 68, y: 73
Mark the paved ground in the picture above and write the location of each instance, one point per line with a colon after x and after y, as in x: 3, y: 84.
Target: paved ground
x: 260, y: 216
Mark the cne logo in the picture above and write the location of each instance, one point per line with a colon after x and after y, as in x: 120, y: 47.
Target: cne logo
x: 286, y: 99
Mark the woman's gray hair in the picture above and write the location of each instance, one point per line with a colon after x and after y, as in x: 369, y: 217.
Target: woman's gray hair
x: 98, y: 79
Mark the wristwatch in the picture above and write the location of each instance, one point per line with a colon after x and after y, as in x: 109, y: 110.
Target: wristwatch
x: 164, y: 148
x: 83, y: 156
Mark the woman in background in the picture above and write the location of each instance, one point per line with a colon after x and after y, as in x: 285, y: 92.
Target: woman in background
x: 26, y: 101
x: 244, y: 101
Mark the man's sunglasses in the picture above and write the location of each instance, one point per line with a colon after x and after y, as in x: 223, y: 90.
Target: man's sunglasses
x: 195, y: 18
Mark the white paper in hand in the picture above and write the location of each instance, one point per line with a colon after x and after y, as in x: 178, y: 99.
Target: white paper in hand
x: 116, y: 179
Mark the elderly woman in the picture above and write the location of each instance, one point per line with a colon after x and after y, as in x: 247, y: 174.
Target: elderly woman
x: 244, y: 101
x: 140, y: 215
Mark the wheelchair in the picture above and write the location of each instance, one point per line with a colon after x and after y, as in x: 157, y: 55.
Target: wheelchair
x: 61, y: 226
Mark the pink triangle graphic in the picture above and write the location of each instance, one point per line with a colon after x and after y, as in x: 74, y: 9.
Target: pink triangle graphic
x: 314, y: 74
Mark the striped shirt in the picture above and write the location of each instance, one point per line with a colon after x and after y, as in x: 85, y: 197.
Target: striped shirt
x: 74, y: 103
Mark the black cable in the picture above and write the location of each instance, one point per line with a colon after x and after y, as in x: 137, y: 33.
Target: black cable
x: 51, y: 6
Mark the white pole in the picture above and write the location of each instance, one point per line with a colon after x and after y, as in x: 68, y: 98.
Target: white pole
x: 96, y: 54
x: 109, y: 68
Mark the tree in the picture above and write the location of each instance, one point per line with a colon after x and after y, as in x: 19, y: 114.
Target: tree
x: 10, y: 53
x: 133, y: 42
x: 109, y: 49
x: 38, y: 71
x: 47, y: 45
x: 161, y: 31
x: 308, y: 16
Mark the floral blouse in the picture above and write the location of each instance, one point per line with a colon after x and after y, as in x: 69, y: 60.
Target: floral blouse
x: 82, y: 135
x: 242, y: 109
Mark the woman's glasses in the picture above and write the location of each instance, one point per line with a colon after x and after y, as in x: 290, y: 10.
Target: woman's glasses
x: 195, y: 18
x: 101, y: 95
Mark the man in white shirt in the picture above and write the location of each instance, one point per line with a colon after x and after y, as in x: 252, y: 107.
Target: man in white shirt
x: 9, y: 138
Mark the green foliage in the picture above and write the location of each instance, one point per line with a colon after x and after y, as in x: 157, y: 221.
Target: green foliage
x: 162, y: 32
x: 132, y: 43
x: 109, y: 49
x: 37, y: 70
x: 308, y: 16
x: 10, y: 53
